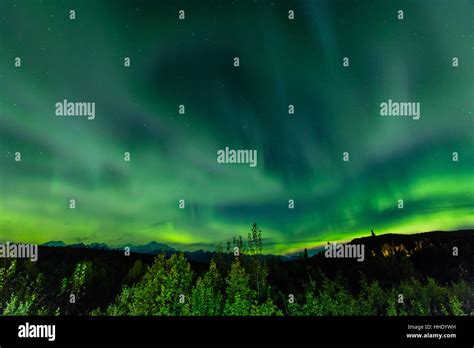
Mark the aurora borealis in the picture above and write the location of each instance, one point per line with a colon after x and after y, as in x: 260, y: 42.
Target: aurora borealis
x: 173, y: 156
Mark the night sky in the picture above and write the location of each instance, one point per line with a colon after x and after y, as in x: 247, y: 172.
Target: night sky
x: 173, y: 155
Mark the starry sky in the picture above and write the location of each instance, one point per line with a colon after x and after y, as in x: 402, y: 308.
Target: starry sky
x: 173, y: 156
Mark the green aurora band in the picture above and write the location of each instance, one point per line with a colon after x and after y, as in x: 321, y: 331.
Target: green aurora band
x: 173, y: 156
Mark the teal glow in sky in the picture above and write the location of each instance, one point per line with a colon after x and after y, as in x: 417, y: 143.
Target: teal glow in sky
x: 173, y: 156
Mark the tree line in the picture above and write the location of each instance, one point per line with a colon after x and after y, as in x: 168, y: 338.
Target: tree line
x: 237, y: 282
